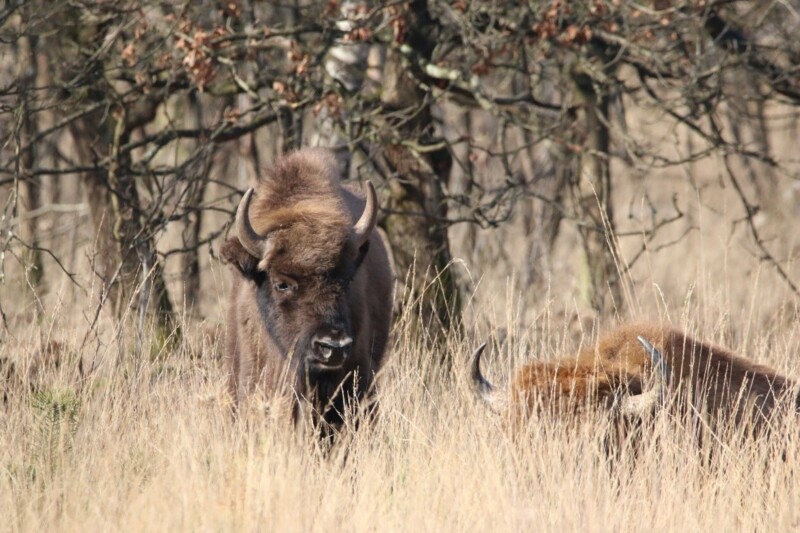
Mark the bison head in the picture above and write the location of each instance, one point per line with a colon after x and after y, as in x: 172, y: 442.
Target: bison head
x: 301, y: 264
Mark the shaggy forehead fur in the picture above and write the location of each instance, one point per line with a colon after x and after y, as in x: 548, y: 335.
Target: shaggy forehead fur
x: 298, y: 202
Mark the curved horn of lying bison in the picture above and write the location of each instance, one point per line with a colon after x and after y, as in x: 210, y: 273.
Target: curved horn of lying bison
x: 495, y: 400
x: 640, y: 405
x: 255, y: 244
x: 366, y: 223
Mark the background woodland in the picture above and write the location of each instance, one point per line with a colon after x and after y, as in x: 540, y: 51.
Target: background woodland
x: 525, y: 140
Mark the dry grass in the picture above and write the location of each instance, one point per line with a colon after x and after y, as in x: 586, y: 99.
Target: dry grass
x: 151, y: 447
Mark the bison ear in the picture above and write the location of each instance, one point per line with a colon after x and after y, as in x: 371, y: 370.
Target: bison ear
x: 234, y: 253
x: 362, y: 251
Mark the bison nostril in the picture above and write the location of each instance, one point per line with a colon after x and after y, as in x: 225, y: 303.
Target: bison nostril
x: 331, y: 348
x: 329, y: 342
x: 322, y: 351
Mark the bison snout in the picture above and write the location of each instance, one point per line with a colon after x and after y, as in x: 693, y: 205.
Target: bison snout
x: 330, y: 350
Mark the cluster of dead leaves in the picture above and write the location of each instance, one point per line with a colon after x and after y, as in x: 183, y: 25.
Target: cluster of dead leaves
x: 551, y: 24
x: 332, y: 103
x: 284, y: 91
x: 197, y: 47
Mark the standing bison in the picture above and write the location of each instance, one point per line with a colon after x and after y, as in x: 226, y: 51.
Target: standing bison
x: 630, y: 371
x: 311, y: 300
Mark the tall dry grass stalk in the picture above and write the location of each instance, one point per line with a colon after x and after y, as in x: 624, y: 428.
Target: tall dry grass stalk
x: 152, y: 447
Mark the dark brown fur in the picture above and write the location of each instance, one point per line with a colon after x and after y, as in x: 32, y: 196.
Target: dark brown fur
x: 710, y: 379
x: 309, y: 217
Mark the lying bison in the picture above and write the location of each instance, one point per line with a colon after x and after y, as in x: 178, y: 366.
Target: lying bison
x: 311, y: 300
x: 630, y: 371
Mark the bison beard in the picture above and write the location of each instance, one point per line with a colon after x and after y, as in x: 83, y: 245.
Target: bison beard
x: 312, y: 290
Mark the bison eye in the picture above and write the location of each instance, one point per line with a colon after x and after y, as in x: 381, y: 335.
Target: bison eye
x: 282, y: 286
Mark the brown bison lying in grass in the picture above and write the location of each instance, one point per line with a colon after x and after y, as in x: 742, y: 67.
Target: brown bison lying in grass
x: 632, y: 371
x: 311, y: 300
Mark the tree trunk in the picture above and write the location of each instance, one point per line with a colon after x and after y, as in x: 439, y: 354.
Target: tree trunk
x: 116, y: 263
x: 551, y: 169
x: 600, y: 283
x: 196, y: 183
x: 30, y: 184
x: 125, y: 258
x: 548, y: 169
x: 416, y: 222
x: 461, y: 185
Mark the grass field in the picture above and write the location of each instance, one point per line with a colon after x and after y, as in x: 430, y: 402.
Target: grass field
x: 151, y: 446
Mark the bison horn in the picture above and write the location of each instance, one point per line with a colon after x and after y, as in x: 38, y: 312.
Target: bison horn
x: 643, y: 404
x: 659, y: 365
x: 255, y: 244
x: 484, y: 390
x: 365, y: 225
